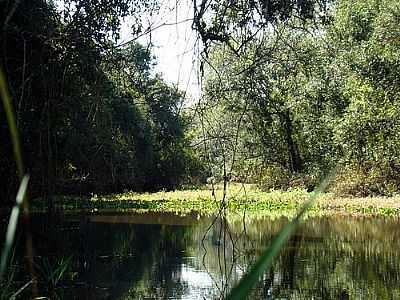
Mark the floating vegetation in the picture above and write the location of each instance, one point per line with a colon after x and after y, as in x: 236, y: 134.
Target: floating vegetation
x: 241, y: 198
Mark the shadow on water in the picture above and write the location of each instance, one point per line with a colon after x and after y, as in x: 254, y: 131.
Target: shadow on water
x: 164, y: 256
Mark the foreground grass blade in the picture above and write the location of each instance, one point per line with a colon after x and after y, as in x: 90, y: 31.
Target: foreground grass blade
x: 8, y: 108
x: 242, y: 290
x: 12, y: 225
x: 20, y: 201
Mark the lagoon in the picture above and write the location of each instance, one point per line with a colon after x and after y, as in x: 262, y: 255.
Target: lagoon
x: 166, y: 256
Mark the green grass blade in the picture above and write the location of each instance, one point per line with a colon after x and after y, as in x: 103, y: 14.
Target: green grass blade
x: 9, y: 110
x: 20, y: 200
x: 12, y: 225
x: 243, y: 289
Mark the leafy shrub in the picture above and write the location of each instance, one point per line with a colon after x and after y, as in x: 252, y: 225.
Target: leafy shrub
x: 367, y: 179
x: 273, y: 177
x: 303, y: 181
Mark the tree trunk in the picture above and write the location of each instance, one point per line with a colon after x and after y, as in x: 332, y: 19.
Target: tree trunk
x: 295, y: 161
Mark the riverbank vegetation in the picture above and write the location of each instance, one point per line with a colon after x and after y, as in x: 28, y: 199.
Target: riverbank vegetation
x: 282, y: 109
x: 93, y: 116
x: 240, y: 198
x: 303, y: 98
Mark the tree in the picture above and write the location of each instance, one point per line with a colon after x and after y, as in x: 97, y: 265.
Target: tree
x: 312, y: 97
x: 237, y: 23
x: 89, y: 113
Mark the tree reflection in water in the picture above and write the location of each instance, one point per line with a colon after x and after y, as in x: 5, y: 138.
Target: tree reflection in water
x: 327, y: 258
x: 160, y: 256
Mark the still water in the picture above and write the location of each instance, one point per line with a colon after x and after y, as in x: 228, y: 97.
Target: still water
x: 164, y: 256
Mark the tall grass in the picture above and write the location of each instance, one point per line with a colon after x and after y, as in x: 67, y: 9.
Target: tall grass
x: 12, y: 226
x: 21, y: 201
x: 12, y: 125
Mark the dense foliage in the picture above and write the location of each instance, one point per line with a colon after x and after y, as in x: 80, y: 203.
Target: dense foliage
x: 292, y: 89
x: 93, y: 117
x: 303, y: 97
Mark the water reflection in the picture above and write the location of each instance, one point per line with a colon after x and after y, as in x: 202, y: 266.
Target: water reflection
x: 161, y: 256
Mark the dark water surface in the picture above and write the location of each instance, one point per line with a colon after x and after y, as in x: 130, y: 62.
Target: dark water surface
x: 163, y: 256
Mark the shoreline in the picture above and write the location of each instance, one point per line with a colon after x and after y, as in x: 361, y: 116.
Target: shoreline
x: 238, y: 200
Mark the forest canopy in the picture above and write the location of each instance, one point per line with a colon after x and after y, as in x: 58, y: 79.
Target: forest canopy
x: 303, y: 98
x: 93, y: 117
